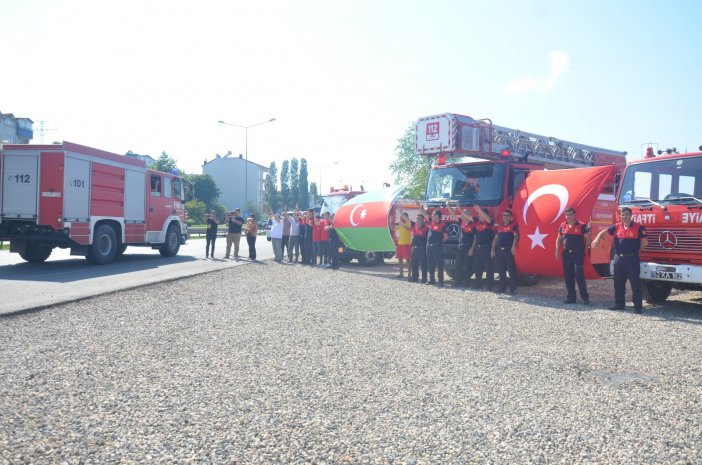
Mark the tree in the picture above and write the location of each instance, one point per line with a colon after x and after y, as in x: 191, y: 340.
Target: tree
x: 270, y: 187
x: 304, y: 188
x: 197, y: 210
x: 410, y: 168
x: 294, y: 182
x: 205, y: 188
x: 165, y: 163
x: 313, y: 192
x: 285, y: 183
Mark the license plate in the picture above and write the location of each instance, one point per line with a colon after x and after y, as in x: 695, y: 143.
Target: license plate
x: 449, y: 262
x: 666, y: 275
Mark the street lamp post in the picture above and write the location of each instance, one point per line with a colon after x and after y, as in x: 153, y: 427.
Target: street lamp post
x: 319, y: 188
x: 246, y: 154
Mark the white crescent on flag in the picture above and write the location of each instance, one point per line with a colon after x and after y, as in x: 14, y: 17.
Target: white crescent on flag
x: 353, y: 210
x: 554, y: 189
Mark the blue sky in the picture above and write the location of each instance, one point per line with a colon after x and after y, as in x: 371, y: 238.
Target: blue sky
x: 345, y: 79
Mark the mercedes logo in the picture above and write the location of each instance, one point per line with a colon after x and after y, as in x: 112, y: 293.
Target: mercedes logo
x: 453, y: 230
x: 668, y: 240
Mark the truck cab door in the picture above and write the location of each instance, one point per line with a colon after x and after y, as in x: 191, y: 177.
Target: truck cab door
x: 155, y: 206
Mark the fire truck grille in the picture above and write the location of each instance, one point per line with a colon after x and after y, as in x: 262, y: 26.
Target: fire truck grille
x: 675, y: 240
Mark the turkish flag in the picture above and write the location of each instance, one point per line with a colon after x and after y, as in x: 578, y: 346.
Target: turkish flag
x: 538, y: 209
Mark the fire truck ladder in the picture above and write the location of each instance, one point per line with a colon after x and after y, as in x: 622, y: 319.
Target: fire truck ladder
x: 544, y: 149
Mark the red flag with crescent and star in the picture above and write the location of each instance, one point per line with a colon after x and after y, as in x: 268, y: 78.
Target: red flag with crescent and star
x: 538, y: 207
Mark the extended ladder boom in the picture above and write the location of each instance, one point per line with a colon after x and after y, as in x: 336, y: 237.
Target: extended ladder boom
x: 458, y: 135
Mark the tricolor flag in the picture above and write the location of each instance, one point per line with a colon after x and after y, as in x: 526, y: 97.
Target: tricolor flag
x: 363, y: 223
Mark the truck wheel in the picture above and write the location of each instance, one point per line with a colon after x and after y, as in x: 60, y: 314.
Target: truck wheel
x: 104, y: 246
x: 36, y: 253
x: 172, y: 245
x: 528, y: 279
x: 656, y: 291
x: 370, y: 258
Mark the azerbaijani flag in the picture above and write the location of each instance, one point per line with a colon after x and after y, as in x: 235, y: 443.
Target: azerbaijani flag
x: 363, y: 224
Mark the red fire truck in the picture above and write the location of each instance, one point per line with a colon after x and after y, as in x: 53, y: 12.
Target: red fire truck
x: 665, y: 195
x: 480, y: 163
x: 96, y: 203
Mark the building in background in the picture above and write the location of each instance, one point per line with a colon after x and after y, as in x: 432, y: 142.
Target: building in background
x: 148, y: 159
x: 230, y: 174
x: 15, y: 130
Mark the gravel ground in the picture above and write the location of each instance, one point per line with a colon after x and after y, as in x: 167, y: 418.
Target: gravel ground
x: 274, y: 363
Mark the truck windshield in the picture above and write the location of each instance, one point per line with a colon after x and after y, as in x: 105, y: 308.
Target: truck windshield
x: 675, y: 181
x: 481, y: 183
x: 331, y: 203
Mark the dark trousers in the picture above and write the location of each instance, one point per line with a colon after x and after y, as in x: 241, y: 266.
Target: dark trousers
x: 627, y: 267
x: 482, y: 261
x: 464, y: 264
x: 316, y: 252
x: 309, y: 251
x: 324, y: 252
x: 435, y: 260
x: 419, y: 259
x: 334, y: 253
x: 285, y: 245
x: 251, y: 240
x: 504, y: 261
x: 573, y: 271
x: 303, y: 249
x: 210, y: 243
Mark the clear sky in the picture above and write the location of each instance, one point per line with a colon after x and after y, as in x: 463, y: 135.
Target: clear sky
x: 344, y: 79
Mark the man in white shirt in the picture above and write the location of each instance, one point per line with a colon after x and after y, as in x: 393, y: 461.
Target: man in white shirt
x: 277, y: 236
x: 294, y: 244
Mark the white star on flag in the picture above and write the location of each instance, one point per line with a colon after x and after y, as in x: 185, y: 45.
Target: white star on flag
x: 363, y: 214
x: 537, y: 239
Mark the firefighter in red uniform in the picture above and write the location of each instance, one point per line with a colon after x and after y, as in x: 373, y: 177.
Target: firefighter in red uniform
x: 504, y: 248
x: 419, y: 249
x: 629, y: 239
x: 435, y: 247
x: 575, y: 238
x: 482, y: 260
x: 464, y: 258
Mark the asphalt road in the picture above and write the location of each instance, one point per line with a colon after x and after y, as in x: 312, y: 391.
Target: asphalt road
x: 63, y: 278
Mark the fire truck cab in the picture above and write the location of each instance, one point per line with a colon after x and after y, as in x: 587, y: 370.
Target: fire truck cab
x: 479, y: 163
x: 665, y: 196
x: 94, y: 202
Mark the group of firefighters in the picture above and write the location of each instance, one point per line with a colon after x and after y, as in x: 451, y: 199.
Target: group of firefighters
x: 484, y: 247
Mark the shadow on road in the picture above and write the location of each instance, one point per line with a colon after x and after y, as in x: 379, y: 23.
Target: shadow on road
x: 77, y: 269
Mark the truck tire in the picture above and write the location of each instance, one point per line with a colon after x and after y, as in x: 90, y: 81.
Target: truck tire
x: 36, y: 253
x: 370, y: 258
x: 104, y: 246
x: 122, y: 248
x: 656, y: 291
x: 172, y: 245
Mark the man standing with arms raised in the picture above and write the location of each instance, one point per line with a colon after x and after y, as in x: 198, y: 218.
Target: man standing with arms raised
x: 629, y: 239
